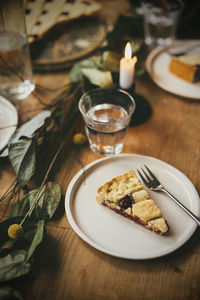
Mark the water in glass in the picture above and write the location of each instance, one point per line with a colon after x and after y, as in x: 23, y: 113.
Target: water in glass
x: 106, y: 135
x: 16, y: 79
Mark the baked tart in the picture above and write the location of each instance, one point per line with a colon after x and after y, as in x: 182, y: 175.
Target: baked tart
x: 43, y: 15
x: 125, y: 195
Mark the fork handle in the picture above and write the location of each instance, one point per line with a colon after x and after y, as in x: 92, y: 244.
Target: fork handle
x: 195, y: 218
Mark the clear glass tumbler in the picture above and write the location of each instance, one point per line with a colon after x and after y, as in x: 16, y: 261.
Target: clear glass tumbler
x: 16, y: 77
x: 160, y: 20
x: 107, y: 114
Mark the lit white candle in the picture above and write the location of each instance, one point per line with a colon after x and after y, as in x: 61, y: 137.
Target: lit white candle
x: 127, y: 68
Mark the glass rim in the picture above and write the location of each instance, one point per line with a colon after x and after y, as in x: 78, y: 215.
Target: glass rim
x: 107, y: 89
x: 179, y: 9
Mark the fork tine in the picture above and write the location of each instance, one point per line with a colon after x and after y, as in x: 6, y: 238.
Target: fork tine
x: 153, y: 176
x: 147, y: 175
x: 145, y: 181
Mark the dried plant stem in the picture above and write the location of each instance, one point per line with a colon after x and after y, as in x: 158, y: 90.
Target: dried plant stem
x: 9, y: 190
x: 13, y: 192
x: 16, y: 191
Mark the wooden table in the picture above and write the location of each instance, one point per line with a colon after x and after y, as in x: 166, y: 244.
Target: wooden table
x: 65, y: 266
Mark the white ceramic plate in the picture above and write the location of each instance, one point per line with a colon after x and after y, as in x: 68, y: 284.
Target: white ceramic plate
x: 8, y: 121
x: 157, y: 65
x: 113, y: 234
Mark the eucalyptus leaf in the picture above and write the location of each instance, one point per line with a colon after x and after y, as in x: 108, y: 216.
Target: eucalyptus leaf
x: 7, y: 293
x: 28, y: 128
x: 22, y: 155
x: 48, y: 201
x: 20, y: 207
x: 95, y: 62
x: 111, y: 61
x: 36, y: 240
x: 13, y: 265
x: 97, y: 77
x: 52, y: 198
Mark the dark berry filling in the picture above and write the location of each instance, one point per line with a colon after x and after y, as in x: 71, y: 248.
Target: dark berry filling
x: 44, y: 12
x: 27, y: 11
x: 70, y: 1
x: 126, y: 202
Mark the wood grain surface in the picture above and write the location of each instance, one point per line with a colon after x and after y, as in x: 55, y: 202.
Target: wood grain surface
x: 66, y: 268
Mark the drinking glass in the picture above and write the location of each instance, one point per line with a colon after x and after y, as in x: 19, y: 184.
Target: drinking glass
x: 16, y: 77
x: 107, y: 114
x: 160, y: 20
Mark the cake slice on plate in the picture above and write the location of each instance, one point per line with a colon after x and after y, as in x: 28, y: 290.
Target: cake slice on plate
x: 125, y: 195
x: 186, y: 67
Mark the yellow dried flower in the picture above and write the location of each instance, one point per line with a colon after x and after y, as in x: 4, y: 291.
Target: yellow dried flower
x: 15, y: 231
x: 79, y: 139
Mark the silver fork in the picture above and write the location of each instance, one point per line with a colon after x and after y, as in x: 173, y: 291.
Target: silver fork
x: 154, y: 184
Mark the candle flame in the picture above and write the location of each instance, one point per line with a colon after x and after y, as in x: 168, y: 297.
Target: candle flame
x: 128, y: 51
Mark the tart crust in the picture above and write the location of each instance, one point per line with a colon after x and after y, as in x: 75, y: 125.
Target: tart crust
x: 126, y: 196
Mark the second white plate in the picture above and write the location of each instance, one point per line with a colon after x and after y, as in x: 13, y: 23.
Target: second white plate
x: 8, y: 121
x: 113, y: 234
x: 157, y: 65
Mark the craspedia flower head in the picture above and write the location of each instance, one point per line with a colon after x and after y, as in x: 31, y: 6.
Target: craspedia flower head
x: 15, y: 231
x: 79, y: 139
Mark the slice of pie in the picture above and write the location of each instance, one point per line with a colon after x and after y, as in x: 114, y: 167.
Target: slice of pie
x: 125, y: 195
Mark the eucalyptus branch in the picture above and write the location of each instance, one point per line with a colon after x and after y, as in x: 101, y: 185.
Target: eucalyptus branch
x: 43, y: 183
x: 70, y: 90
